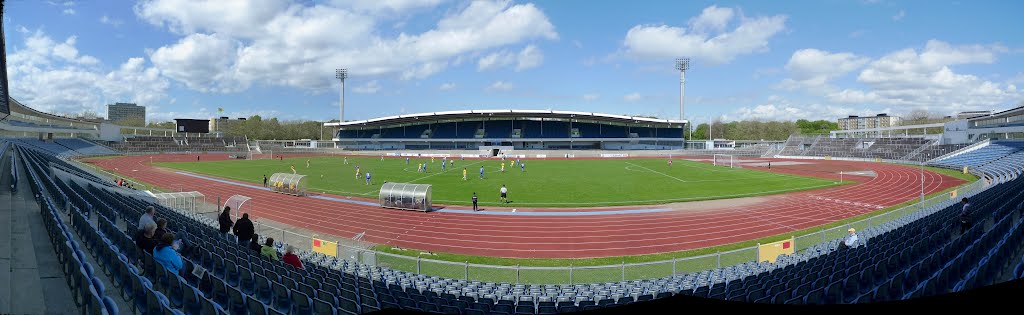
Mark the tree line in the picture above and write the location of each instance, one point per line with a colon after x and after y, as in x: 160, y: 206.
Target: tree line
x: 760, y: 129
x: 257, y: 128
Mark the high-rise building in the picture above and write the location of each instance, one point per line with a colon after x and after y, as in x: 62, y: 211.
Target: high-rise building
x: 126, y: 113
x: 870, y: 122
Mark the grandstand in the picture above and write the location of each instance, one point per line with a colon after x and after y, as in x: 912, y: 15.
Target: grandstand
x: 516, y: 129
x: 89, y: 222
x: 888, y: 265
x: 893, y: 149
x: 89, y: 219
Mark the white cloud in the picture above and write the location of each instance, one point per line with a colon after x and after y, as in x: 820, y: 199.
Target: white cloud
x: 109, y: 21
x: 706, y: 37
x: 899, y: 16
x: 501, y: 86
x: 529, y: 57
x: 53, y: 77
x: 447, y: 86
x: 632, y: 97
x: 813, y: 68
x: 711, y: 19
x: 387, y: 6
x: 286, y: 43
x: 203, y: 63
x: 779, y: 108
x: 577, y: 44
x: 908, y: 78
x: 424, y: 70
x: 494, y: 60
x: 591, y: 97
x: 857, y: 33
x: 68, y: 11
x: 40, y: 48
x: 370, y: 88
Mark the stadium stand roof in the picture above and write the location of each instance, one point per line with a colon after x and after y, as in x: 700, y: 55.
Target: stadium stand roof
x: 17, y: 106
x: 1012, y: 111
x: 471, y: 114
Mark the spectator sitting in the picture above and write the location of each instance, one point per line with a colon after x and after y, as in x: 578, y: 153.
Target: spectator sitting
x: 144, y: 238
x: 850, y: 239
x: 166, y: 254
x: 244, y: 229
x: 147, y: 217
x: 161, y: 228
x: 254, y: 243
x: 290, y: 257
x: 225, y: 221
x: 269, y: 250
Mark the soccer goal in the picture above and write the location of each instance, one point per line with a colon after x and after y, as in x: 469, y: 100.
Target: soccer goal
x: 724, y: 160
x: 260, y: 155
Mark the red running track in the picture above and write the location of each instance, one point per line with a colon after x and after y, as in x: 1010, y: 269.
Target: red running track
x: 568, y: 236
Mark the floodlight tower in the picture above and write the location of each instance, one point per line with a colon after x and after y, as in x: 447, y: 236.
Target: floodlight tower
x: 682, y: 64
x: 341, y: 74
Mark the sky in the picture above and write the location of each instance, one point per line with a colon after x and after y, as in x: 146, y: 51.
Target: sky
x: 769, y: 60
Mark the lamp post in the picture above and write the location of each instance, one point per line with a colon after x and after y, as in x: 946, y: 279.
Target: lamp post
x: 341, y: 74
x: 682, y: 64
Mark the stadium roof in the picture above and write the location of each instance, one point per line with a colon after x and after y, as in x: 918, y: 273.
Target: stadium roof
x: 1011, y: 111
x: 471, y: 114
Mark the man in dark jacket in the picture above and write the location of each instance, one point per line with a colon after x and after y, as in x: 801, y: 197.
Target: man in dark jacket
x: 244, y: 229
x: 225, y: 221
x: 965, y: 216
x: 254, y: 243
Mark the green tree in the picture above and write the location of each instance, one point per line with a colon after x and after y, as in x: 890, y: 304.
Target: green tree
x: 161, y: 125
x: 132, y: 122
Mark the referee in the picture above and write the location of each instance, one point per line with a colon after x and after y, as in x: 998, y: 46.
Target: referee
x: 474, y: 202
x: 504, y: 194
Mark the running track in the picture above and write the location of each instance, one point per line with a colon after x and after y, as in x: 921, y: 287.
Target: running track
x: 566, y: 236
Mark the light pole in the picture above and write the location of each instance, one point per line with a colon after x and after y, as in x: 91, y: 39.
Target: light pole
x: 709, y: 127
x: 341, y: 74
x: 682, y: 64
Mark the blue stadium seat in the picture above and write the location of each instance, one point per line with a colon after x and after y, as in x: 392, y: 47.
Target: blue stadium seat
x: 192, y: 303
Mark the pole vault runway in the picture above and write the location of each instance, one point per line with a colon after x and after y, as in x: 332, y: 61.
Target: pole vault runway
x: 563, y: 233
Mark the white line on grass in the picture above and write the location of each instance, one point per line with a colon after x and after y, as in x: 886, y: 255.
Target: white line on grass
x: 666, y: 175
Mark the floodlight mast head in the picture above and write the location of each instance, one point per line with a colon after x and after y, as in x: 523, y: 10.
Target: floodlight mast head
x: 682, y: 64
x: 341, y: 74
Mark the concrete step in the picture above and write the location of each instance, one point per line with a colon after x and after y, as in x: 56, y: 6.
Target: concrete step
x: 28, y: 262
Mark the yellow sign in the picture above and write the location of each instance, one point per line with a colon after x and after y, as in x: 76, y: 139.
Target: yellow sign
x: 952, y: 194
x: 770, y: 252
x: 325, y: 247
x: 828, y: 157
x: 965, y: 170
x: 879, y: 160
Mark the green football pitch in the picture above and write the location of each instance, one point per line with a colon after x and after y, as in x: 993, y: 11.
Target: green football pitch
x: 543, y: 183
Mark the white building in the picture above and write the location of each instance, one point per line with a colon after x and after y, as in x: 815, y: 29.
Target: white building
x: 871, y: 122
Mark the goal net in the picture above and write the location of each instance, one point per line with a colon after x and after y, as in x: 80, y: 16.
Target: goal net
x: 260, y: 155
x: 724, y: 160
